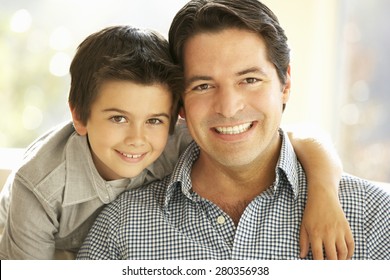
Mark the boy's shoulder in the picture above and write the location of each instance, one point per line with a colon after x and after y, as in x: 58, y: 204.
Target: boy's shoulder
x: 46, y: 153
x: 54, y: 136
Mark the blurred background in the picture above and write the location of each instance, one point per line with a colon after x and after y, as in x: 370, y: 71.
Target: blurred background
x: 339, y: 68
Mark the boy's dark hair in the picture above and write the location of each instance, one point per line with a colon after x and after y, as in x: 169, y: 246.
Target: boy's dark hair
x: 199, y: 16
x: 122, y: 53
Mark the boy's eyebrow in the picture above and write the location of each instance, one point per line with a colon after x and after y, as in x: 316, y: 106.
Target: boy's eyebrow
x: 116, y: 110
x: 123, y: 112
x: 161, y: 115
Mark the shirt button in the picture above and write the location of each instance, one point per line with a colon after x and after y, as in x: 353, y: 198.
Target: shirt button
x: 221, y: 220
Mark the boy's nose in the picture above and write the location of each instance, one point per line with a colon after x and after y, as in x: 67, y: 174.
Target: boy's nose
x: 135, y: 137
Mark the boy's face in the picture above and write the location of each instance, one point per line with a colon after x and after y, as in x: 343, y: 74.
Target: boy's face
x: 128, y: 127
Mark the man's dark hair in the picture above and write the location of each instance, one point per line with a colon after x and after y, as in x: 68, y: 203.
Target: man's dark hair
x: 199, y: 16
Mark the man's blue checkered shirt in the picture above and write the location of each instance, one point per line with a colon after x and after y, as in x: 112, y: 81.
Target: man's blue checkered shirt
x: 166, y: 220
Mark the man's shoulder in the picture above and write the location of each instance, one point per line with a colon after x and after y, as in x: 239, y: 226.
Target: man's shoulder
x: 350, y: 182
x: 367, y: 207
x: 362, y: 191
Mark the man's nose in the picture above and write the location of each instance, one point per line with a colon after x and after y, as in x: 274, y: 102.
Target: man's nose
x: 228, y: 102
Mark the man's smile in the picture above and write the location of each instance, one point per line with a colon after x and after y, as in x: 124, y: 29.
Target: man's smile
x: 237, y: 129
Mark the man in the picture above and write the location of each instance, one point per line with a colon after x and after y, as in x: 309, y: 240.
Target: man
x: 238, y: 192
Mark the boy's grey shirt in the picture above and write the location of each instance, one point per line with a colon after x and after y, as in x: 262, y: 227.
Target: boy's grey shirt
x: 57, y: 193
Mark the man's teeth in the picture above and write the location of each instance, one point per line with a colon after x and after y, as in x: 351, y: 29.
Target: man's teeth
x: 233, y: 129
x: 131, y: 156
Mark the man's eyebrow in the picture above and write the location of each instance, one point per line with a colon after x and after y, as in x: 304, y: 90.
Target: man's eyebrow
x: 198, y: 78
x: 123, y: 112
x: 252, y: 70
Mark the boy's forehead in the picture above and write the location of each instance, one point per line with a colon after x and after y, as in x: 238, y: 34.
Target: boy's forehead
x: 133, y: 100
x: 138, y: 84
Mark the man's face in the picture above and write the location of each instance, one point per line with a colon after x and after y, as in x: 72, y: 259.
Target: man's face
x: 233, y: 97
x: 128, y: 127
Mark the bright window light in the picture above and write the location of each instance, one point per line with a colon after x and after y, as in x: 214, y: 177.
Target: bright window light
x: 21, y: 21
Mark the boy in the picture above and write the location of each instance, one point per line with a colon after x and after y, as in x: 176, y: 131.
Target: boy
x: 124, y: 102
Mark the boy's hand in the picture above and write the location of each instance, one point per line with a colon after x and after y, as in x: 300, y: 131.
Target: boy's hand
x: 325, y: 230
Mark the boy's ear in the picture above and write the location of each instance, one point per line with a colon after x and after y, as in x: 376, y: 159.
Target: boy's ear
x: 182, y: 112
x: 80, y: 128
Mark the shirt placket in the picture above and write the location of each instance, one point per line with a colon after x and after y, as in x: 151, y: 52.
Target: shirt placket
x: 220, y: 221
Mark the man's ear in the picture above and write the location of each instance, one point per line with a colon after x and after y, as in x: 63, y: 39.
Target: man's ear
x: 80, y: 128
x: 287, y: 86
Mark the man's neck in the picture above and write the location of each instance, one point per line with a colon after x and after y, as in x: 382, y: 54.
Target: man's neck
x: 232, y: 189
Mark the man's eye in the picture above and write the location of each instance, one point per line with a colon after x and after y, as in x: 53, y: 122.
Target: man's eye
x: 251, y: 80
x: 154, y: 121
x: 118, y: 119
x: 202, y: 87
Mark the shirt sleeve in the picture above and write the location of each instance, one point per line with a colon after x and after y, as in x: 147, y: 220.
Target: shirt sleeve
x: 29, y: 229
x: 377, y: 223
x: 5, y: 197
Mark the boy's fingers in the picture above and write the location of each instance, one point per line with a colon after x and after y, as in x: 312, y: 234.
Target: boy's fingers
x: 342, y: 250
x: 317, y: 249
x: 330, y: 250
x: 350, y: 245
x: 303, y: 243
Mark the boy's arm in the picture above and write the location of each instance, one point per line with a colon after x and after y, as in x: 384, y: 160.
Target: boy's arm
x: 29, y: 231
x: 324, y: 224
x: 5, y: 196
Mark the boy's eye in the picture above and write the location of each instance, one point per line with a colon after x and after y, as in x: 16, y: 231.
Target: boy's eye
x: 118, y: 119
x: 154, y: 121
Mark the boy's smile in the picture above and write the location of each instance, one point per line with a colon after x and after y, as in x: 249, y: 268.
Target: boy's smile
x: 131, y: 156
x: 128, y: 127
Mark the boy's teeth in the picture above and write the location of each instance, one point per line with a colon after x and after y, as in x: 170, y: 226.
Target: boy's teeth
x: 233, y: 129
x: 131, y: 156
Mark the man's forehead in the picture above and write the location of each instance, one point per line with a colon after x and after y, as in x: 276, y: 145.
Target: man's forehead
x: 230, y: 47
